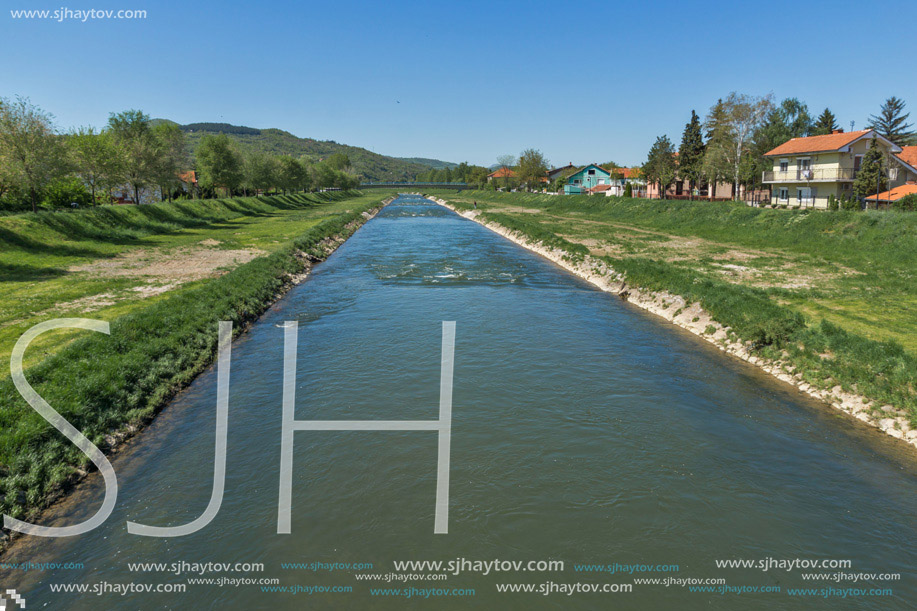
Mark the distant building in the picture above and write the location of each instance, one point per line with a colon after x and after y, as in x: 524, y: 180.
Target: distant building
x: 189, y: 183
x: 807, y: 171
x: 587, y: 178
x: 892, y: 195
x: 621, y: 177
x: 501, y: 173
x: 561, y: 172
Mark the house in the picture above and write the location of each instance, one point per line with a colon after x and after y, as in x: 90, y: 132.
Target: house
x: 506, y: 173
x: 189, y: 183
x: 681, y: 189
x: 586, y: 178
x: 561, y: 172
x: 882, y: 200
x: 807, y: 171
x: 622, y: 177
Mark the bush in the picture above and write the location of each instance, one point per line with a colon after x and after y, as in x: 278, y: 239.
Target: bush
x: 628, y: 190
x: 849, y: 203
x: 61, y: 193
x: 833, y: 203
x: 907, y: 203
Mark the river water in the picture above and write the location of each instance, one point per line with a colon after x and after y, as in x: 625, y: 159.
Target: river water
x: 584, y: 430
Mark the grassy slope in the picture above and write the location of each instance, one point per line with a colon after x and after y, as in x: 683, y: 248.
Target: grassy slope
x: 156, y: 345
x: 37, y: 253
x: 835, y: 291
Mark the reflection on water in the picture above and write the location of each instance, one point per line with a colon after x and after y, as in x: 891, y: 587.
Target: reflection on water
x: 583, y: 430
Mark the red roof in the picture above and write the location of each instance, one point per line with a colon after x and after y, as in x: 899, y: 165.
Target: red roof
x: 817, y: 144
x: 502, y: 173
x: 896, y: 193
x: 599, y: 188
x: 190, y: 177
x: 908, y: 155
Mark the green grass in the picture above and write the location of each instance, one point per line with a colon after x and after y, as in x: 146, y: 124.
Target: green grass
x: 832, y: 292
x: 39, y: 251
x: 102, y: 383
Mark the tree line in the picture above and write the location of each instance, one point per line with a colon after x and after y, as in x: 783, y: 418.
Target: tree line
x: 39, y: 166
x: 730, y: 143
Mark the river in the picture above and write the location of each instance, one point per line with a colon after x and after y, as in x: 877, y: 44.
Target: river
x: 583, y: 430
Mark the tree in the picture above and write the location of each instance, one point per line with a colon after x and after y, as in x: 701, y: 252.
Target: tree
x: 260, y: 172
x: 691, y: 152
x: 732, y: 124
x: 219, y: 163
x: 825, y: 124
x: 138, y: 148
x: 338, y: 161
x: 892, y: 122
x: 506, y: 163
x: 291, y: 175
x: 31, y: 150
x: 532, y: 167
x: 660, y: 167
x: 94, y: 158
x: 789, y: 120
x: 172, y: 158
x: 870, y: 179
x: 323, y: 176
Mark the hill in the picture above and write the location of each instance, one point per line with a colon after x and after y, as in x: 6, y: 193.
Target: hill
x: 369, y: 165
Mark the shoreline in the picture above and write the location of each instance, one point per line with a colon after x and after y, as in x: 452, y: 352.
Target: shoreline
x: 123, y: 438
x: 691, y: 317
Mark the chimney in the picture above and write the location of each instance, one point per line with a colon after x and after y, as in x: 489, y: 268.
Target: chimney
x: 837, y: 131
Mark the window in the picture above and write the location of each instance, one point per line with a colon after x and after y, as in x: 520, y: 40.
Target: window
x: 804, y: 195
x: 592, y: 172
x: 783, y: 194
x: 803, y: 163
x: 601, y: 181
x: 857, y: 161
x: 784, y: 165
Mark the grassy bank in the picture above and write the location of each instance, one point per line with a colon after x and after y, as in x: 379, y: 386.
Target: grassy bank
x: 832, y: 293
x: 103, y: 384
x: 109, y: 261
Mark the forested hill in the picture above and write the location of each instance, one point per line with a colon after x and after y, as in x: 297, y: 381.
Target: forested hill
x: 369, y: 165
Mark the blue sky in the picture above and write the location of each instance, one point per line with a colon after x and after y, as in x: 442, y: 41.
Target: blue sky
x: 584, y: 81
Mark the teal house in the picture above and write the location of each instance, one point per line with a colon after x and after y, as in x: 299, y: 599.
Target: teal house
x: 587, y: 178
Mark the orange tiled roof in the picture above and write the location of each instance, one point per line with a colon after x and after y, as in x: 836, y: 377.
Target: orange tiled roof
x: 502, y: 173
x: 816, y: 144
x: 895, y: 194
x: 908, y: 155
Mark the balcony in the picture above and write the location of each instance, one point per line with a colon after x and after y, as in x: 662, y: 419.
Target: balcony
x: 811, y: 175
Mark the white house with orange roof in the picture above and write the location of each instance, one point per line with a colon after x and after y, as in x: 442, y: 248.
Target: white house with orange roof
x: 807, y: 171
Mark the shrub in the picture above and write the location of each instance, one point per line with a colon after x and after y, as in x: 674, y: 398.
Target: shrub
x: 849, y: 203
x: 61, y: 193
x: 907, y: 203
x: 833, y: 203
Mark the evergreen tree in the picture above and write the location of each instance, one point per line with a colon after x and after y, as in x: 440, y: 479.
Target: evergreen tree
x: 825, y: 124
x: 871, y: 177
x: 892, y: 122
x: 691, y: 152
x: 660, y: 164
